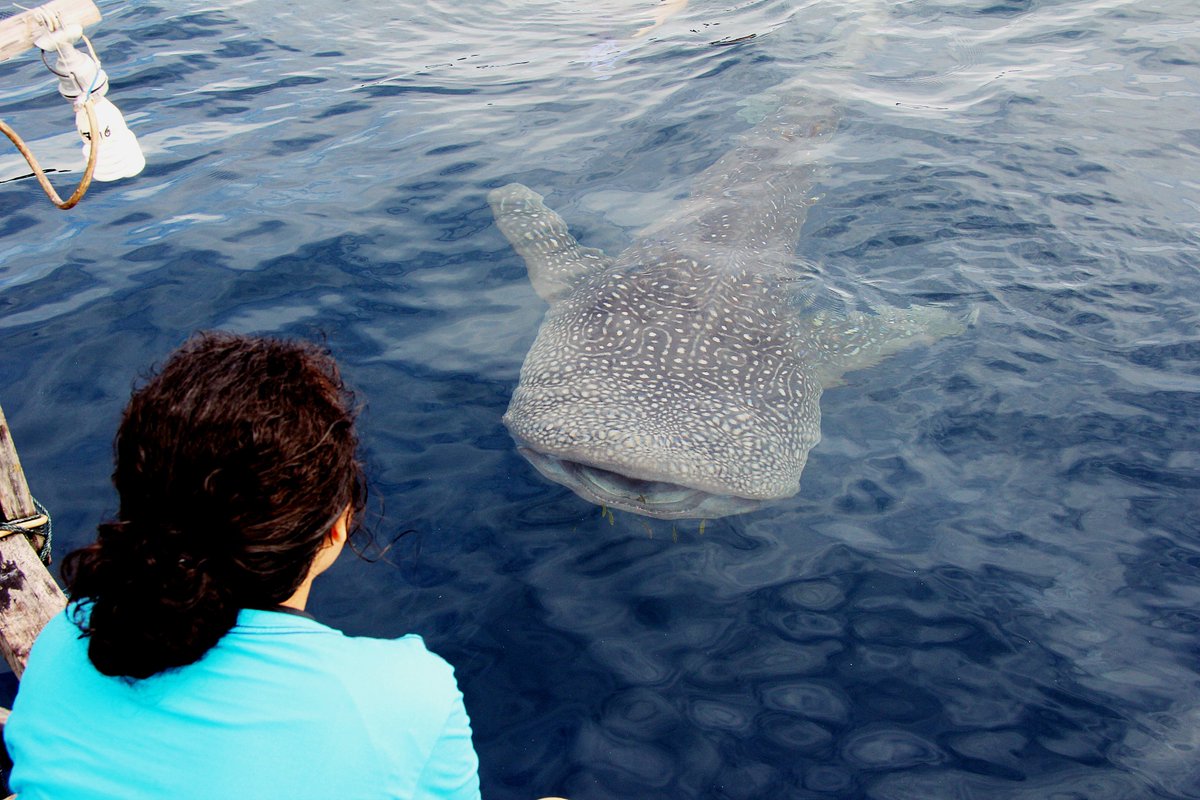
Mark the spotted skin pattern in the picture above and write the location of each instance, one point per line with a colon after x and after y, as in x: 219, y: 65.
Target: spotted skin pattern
x: 682, y: 379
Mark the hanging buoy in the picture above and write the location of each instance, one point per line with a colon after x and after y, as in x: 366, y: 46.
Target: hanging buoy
x: 80, y: 78
x: 111, y: 150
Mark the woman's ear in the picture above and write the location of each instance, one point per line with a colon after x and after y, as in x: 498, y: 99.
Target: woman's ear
x: 340, y: 532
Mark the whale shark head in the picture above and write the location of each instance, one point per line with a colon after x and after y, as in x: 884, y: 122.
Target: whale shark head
x: 668, y: 390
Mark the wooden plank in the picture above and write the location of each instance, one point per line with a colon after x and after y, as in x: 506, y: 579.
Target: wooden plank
x: 29, y: 597
x: 18, y: 32
x: 15, y: 500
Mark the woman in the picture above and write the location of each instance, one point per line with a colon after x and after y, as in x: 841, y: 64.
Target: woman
x: 185, y: 665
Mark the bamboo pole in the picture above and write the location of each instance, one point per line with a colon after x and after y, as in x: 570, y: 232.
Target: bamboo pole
x: 18, y: 32
x: 29, y: 597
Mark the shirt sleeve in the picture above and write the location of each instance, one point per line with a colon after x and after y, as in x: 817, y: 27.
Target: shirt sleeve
x: 451, y: 768
x: 452, y: 771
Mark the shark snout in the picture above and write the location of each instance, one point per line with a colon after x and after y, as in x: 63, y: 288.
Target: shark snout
x: 661, y: 465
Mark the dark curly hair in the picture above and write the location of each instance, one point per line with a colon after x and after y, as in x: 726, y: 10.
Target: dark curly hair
x: 233, y: 462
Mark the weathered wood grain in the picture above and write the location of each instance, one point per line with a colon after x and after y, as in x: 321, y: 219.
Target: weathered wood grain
x: 29, y: 597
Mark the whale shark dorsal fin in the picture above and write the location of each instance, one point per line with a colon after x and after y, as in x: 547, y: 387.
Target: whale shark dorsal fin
x: 554, y: 259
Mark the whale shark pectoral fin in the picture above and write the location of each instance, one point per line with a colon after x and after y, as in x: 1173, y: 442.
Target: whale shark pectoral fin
x: 851, y: 340
x: 554, y: 259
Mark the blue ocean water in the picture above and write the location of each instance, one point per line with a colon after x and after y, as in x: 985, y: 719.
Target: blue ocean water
x: 988, y: 584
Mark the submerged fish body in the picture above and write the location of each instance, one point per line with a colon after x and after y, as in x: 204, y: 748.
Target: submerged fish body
x: 683, y: 378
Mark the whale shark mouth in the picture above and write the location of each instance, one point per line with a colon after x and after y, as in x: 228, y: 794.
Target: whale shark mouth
x: 660, y: 499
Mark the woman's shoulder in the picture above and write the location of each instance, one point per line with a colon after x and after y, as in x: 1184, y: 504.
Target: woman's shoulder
x: 61, y: 633
x: 405, y: 658
x: 304, y: 630
x: 383, y: 680
x: 357, y: 661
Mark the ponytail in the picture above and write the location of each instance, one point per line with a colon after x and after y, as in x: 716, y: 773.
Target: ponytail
x: 146, y: 611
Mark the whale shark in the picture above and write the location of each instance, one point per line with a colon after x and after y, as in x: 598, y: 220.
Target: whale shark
x: 682, y: 378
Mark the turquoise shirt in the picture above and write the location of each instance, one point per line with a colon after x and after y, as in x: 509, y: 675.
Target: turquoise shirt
x: 282, y: 707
